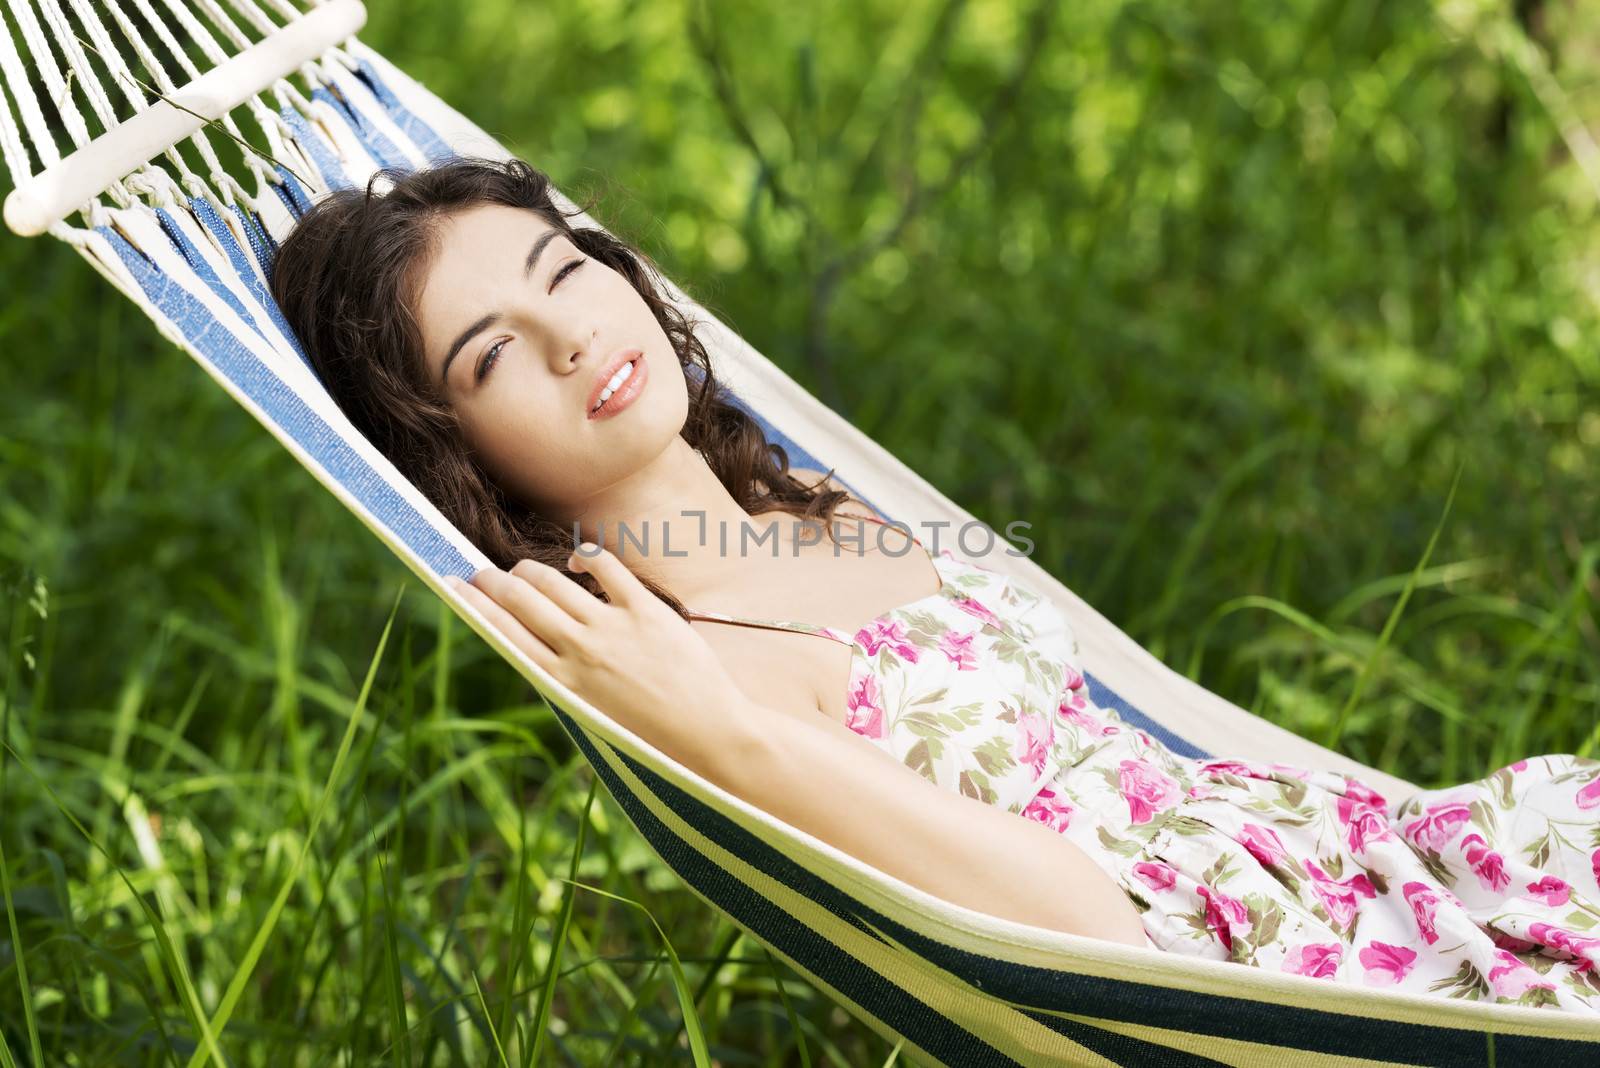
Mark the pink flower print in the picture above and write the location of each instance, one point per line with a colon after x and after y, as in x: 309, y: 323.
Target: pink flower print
x: 1521, y: 765
x: 866, y: 714
x: 1033, y: 741
x: 1424, y: 903
x: 1319, y: 960
x: 1290, y: 770
x: 1074, y: 677
x: 958, y: 647
x: 1554, y: 892
x: 1488, y: 865
x: 1356, y: 790
x: 972, y: 607
x: 1439, y: 824
x: 1362, y: 823
x: 1387, y: 965
x: 1594, y: 864
x: 1340, y: 904
x: 1230, y: 767
x: 1512, y: 978
x: 1515, y: 945
x: 1587, y: 950
x: 1222, y: 913
x: 1048, y: 808
x: 880, y: 633
x: 1154, y: 875
x: 1589, y: 796
x: 1340, y: 898
x: 1146, y: 789
x: 1263, y: 844
x: 1071, y: 714
x: 1491, y: 872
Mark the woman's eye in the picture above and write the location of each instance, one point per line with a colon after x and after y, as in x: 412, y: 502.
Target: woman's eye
x: 493, y: 354
x: 566, y: 270
x: 489, y: 358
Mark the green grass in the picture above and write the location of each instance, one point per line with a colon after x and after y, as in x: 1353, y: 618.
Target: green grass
x: 1225, y: 299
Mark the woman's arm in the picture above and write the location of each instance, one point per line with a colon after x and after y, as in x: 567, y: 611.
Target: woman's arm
x: 819, y: 776
x: 639, y: 661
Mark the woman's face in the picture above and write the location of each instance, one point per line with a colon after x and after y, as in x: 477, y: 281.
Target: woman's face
x: 521, y: 331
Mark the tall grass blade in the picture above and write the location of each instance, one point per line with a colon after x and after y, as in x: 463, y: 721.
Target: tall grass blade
x: 1359, y: 688
x: 252, y: 956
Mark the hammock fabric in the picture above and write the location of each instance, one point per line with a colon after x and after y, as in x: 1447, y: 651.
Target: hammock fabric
x: 962, y: 988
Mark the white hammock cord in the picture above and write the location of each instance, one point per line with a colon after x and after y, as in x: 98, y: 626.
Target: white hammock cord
x: 16, y: 78
x: 60, y: 91
x: 258, y: 166
x: 44, y: 60
x: 200, y: 187
x: 16, y: 156
x: 258, y: 18
x: 272, y: 123
x: 151, y: 184
x: 280, y: 88
x: 220, y: 19
x: 254, y: 16
x: 78, y: 60
x: 288, y: 10
x: 101, y: 43
x: 278, y: 132
x: 125, y: 80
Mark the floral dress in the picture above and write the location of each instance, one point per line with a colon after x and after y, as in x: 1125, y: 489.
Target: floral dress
x: 1486, y: 891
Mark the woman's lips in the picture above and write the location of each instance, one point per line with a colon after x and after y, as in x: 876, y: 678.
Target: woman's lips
x: 625, y: 394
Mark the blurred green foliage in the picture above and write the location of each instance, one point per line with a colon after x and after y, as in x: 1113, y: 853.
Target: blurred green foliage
x: 1220, y: 297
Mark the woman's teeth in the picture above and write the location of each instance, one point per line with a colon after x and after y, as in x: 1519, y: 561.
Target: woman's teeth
x: 615, y: 384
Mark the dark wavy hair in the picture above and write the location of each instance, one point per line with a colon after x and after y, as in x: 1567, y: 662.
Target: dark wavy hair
x: 347, y: 277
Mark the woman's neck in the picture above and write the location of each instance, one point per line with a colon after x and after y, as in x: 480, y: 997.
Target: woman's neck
x: 674, y: 522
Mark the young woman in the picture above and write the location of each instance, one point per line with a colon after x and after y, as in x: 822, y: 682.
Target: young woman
x: 905, y: 707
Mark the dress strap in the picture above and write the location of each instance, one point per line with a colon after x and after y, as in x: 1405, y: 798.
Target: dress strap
x: 800, y: 628
x: 776, y: 624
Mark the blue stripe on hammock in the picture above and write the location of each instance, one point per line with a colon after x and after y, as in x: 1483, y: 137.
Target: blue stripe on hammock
x: 1214, y: 1015
x: 421, y: 134
x: 292, y: 192
x: 314, y: 146
x: 224, y: 237
x: 382, y: 150
x: 261, y: 242
x: 1104, y: 697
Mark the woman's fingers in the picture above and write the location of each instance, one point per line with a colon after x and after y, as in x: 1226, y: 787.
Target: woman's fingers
x: 506, y: 623
x: 570, y: 597
x: 621, y: 585
x: 531, y: 606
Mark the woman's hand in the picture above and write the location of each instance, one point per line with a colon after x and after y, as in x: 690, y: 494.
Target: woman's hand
x: 633, y: 658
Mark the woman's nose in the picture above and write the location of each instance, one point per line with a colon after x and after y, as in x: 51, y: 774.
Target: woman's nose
x: 574, y: 350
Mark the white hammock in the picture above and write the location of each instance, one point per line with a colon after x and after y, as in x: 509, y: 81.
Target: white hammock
x: 962, y: 988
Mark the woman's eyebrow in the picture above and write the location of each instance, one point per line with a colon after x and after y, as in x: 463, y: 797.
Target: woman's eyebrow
x: 486, y: 321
